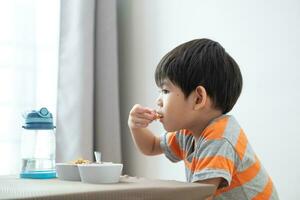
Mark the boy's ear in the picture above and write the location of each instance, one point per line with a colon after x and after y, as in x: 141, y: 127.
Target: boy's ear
x: 200, y: 97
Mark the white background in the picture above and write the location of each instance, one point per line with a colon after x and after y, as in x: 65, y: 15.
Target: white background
x: 262, y: 36
x: 28, y: 70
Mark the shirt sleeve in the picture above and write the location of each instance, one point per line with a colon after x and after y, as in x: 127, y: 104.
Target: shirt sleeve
x: 215, y: 159
x: 170, y: 143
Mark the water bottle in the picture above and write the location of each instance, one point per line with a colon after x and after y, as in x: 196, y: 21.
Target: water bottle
x: 38, y: 145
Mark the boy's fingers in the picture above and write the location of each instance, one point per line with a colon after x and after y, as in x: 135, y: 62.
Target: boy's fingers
x: 146, y: 116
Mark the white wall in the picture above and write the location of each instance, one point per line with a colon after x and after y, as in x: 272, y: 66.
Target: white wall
x: 262, y: 36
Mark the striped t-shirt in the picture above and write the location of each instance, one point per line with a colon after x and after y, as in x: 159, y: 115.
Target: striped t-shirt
x: 222, y: 150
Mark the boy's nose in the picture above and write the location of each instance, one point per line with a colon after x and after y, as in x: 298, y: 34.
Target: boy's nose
x: 159, y: 102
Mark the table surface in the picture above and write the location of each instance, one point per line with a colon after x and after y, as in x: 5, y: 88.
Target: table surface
x: 129, y: 188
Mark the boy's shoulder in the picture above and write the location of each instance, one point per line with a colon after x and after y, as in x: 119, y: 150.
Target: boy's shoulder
x: 224, y: 127
x: 227, y: 133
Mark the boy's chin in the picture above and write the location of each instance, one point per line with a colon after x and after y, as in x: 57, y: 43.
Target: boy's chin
x: 170, y: 128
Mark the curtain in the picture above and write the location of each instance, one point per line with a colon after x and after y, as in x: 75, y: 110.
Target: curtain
x: 88, y: 117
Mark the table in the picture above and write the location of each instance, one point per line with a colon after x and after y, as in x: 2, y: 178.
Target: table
x: 129, y: 188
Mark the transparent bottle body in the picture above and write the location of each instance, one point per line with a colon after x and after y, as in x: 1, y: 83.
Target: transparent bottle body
x: 38, y: 150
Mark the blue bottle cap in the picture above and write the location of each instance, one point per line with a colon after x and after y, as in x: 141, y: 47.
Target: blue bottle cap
x: 41, y: 119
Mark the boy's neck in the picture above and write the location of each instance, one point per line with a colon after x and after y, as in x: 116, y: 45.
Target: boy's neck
x: 203, y: 122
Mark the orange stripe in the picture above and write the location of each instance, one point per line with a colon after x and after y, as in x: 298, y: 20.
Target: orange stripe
x: 215, y: 162
x: 215, y: 130
x: 266, y: 193
x: 242, y: 177
x: 241, y: 144
x: 173, y: 144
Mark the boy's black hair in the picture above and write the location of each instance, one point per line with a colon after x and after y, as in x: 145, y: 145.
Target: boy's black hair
x: 203, y: 62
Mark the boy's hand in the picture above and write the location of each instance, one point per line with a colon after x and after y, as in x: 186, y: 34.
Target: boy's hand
x: 140, y: 117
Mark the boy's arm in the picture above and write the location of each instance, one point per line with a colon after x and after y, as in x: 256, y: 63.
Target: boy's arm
x: 146, y: 141
x: 139, y: 118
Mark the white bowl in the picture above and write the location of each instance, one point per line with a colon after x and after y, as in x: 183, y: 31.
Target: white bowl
x: 100, y: 173
x: 67, y: 171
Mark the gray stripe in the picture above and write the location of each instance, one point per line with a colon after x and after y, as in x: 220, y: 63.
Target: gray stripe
x: 212, y: 173
x: 166, y: 149
x: 232, y: 130
x: 206, y: 174
x: 184, y: 140
x: 248, y: 159
x: 188, y: 174
x: 241, y: 195
x: 189, y: 148
x: 216, y: 148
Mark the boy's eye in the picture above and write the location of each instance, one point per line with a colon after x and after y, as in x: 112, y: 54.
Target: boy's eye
x: 165, y: 91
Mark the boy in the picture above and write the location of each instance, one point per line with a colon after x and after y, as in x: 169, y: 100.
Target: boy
x: 200, y: 82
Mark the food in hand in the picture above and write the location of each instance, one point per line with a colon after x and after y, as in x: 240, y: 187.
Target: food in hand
x: 158, y: 116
